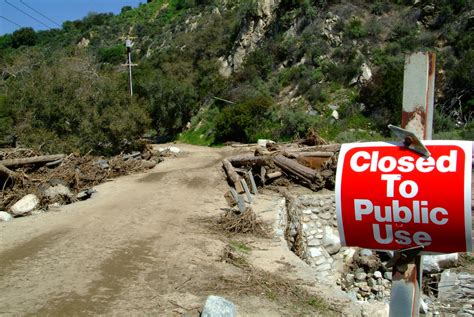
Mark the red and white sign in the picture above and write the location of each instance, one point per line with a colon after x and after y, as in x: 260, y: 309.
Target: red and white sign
x: 390, y: 198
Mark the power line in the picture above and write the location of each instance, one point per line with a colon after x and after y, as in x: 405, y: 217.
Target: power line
x: 44, y: 16
x: 27, y: 14
x: 12, y: 22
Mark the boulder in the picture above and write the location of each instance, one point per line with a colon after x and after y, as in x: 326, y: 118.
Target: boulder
x: 174, y: 150
x: 57, y: 190
x: 366, y: 73
x: 264, y: 142
x: 86, y: 194
x: 103, y: 164
x: 25, y: 205
x: 170, y: 149
x: 216, y: 306
x: 5, y: 216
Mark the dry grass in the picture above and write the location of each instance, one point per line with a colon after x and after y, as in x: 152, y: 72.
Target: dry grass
x: 275, y: 287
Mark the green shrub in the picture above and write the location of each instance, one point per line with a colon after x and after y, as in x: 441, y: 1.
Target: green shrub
x: 24, y: 37
x: 67, y: 107
x: 243, y: 122
x: 379, y: 7
x: 112, y: 55
x: 6, y: 121
x: 356, y: 29
x: 382, y: 96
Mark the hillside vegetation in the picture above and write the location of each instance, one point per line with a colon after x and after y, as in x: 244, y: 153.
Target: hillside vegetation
x: 211, y: 71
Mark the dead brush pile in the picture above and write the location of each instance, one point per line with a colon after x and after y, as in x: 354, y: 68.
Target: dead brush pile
x: 245, y: 223
x: 76, y: 172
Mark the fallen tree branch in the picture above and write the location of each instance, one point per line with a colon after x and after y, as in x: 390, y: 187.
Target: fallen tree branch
x: 6, y: 173
x: 32, y: 160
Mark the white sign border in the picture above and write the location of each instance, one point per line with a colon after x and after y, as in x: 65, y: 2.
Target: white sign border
x: 466, y: 146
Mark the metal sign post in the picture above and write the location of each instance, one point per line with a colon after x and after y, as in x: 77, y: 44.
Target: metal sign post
x: 403, y: 208
x: 417, y: 117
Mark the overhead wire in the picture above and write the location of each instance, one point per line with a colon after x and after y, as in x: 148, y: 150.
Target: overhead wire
x: 25, y: 13
x: 13, y: 22
x: 44, y: 16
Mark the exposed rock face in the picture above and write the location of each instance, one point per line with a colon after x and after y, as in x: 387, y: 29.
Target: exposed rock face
x: 83, y: 43
x: 334, y: 38
x: 249, y: 36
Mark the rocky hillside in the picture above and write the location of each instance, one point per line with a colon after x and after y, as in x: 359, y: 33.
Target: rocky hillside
x: 211, y: 71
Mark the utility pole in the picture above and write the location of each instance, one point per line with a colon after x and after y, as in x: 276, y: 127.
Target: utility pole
x: 129, y: 45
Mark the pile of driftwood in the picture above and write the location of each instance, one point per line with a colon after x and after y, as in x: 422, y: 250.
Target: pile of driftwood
x: 311, y: 166
x: 24, y: 171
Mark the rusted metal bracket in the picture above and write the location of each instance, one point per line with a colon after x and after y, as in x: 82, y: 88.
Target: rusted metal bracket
x: 404, y: 256
x: 410, y: 140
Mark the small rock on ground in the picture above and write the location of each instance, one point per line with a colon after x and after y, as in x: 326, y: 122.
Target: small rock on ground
x: 25, y: 205
x: 216, y: 306
x: 5, y: 216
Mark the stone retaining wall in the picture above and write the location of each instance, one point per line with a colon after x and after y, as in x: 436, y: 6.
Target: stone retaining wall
x: 312, y: 232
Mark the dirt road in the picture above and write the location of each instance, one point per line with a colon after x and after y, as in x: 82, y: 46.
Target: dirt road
x: 140, y: 246
x: 130, y: 248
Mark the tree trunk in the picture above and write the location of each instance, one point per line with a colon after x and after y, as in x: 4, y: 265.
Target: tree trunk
x: 249, y: 160
x: 295, y: 168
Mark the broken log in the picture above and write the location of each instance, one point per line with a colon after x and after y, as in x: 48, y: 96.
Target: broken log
x: 295, y: 168
x: 233, y: 176
x: 32, y: 160
x: 249, y: 160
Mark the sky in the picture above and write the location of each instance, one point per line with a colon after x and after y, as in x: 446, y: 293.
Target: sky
x: 48, y: 14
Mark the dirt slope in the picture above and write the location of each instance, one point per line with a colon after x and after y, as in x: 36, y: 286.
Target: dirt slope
x: 139, y: 246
